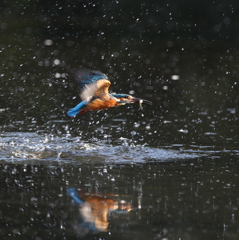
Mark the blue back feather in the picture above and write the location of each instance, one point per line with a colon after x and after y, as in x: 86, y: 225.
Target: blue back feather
x: 74, y: 194
x: 120, y: 95
x: 73, y: 111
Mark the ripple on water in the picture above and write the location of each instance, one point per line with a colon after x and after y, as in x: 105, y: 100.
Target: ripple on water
x: 31, y: 146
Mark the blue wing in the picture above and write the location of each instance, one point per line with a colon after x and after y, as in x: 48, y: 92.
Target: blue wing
x: 86, y: 76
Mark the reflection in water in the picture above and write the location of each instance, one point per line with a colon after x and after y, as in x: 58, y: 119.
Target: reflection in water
x: 188, y: 199
x: 94, y: 210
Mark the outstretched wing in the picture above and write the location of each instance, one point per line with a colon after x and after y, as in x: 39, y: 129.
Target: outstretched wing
x: 99, y: 89
x: 93, y: 85
x: 85, y: 77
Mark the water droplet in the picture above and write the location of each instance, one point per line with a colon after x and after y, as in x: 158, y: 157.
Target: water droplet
x: 175, y: 77
x: 48, y: 42
x: 57, y: 62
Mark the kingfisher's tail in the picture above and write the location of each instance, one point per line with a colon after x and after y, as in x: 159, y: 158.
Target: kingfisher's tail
x: 73, y: 111
x: 74, y: 194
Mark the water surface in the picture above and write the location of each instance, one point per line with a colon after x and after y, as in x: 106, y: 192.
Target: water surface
x: 175, y: 163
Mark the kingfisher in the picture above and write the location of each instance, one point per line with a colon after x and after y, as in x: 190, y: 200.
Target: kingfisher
x: 94, y: 92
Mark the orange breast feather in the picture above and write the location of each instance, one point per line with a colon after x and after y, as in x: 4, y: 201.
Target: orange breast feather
x: 98, y: 104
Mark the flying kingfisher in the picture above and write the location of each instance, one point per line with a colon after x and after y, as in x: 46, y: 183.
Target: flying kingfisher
x: 94, y: 92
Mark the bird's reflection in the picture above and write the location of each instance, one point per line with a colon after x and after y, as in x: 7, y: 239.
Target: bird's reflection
x: 94, y: 211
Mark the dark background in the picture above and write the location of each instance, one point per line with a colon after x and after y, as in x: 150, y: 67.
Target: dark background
x: 176, y: 161
x: 141, y: 46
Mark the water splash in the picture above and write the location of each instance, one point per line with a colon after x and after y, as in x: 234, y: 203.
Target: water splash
x: 31, y: 146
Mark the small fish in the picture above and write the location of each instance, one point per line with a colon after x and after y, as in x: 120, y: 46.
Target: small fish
x: 140, y: 104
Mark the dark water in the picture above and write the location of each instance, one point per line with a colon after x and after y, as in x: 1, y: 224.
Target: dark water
x: 174, y: 164
x: 177, y: 199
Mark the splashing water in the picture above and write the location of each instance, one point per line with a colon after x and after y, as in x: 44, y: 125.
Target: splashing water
x: 31, y: 146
